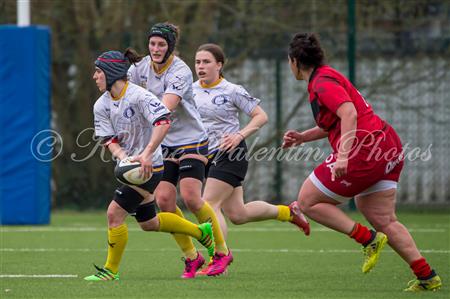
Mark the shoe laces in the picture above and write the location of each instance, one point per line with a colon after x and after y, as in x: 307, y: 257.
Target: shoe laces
x: 218, y: 256
x: 188, y: 264
x: 103, y: 272
x: 416, y: 283
x: 412, y: 282
x: 217, y: 259
x: 369, y: 248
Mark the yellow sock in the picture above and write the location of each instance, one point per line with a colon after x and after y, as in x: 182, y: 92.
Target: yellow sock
x: 206, y: 214
x: 185, y: 242
x: 117, y: 240
x: 284, y: 213
x: 172, y: 223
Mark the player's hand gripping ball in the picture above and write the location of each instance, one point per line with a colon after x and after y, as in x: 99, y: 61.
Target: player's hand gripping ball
x: 128, y: 172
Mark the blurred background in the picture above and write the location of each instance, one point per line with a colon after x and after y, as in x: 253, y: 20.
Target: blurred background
x: 397, y: 53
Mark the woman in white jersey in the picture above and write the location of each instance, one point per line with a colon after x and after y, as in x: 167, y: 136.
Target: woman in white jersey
x: 219, y: 103
x: 185, y: 146
x: 130, y: 121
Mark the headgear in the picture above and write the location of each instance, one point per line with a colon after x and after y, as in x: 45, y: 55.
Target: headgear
x: 114, y: 65
x: 167, y: 32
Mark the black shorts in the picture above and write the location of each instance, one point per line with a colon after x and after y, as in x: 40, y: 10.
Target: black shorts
x: 230, y: 167
x: 129, y: 199
x: 188, y: 167
x: 151, y: 185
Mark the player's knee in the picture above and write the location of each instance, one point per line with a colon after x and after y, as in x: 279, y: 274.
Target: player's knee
x: 381, y: 222
x: 237, y: 218
x: 114, y: 218
x: 305, y: 205
x: 192, y: 198
x: 194, y: 205
x: 150, y: 225
x: 165, y: 203
x: 189, y: 193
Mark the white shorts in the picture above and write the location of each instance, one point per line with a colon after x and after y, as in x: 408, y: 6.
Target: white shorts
x: 377, y: 187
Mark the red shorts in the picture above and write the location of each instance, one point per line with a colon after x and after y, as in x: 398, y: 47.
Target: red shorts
x: 370, y: 168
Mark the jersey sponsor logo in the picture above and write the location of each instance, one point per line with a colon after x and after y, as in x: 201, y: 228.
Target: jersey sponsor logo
x: 179, y: 83
x: 246, y: 95
x: 220, y: 100
x: 129, y: 112
x: 391, y: 164
x: 159, y: 109
x: 346, y: 183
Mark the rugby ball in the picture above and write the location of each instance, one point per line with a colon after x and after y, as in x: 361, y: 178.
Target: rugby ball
x: 128, y: 172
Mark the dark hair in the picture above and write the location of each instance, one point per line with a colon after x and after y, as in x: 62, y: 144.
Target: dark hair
x: 132, y: 55
x: 306, y: 49
x: 175, y: 29
x: 216, y: 51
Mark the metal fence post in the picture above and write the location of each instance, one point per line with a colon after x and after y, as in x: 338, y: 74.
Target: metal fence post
x: 278, y: 120
x: 351, y: 50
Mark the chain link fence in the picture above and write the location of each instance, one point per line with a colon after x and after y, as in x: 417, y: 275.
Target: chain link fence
x: 402, y: 69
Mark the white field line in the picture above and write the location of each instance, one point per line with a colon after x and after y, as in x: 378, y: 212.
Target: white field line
x: 281, y: 250
x: 38, y: 276
x: 231, y: 229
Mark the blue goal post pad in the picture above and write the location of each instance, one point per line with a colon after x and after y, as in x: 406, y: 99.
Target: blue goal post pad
x: 25, y: 109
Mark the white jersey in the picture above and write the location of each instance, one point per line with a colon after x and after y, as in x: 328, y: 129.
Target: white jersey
x: 219, y: 108
x: 186, y: 126
x: 130, y: 119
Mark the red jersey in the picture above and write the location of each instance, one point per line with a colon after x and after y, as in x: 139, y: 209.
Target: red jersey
x: 328, y: 90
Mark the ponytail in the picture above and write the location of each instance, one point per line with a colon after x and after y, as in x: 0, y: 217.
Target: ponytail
x: 132, y: 55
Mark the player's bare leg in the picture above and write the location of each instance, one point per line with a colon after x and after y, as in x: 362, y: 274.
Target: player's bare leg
x: 323, y: 209
x: 379, y: 210
x: 217, y: 193
x: 166, y: 194
x: 240, y: 213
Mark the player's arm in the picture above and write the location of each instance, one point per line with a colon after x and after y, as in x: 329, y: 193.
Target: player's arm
x: 171, y: 101
x: 112, y: 144
x: 105, y: 132
x: 348, y: 115
x: 117, y: 151
x: 294, y: 138
x: 313, y: 134
x: 160, y: 129
x: 258, y: 119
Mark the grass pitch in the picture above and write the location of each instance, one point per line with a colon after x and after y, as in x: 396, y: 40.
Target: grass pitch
x: 272, y: 260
